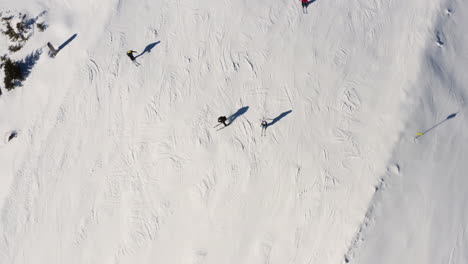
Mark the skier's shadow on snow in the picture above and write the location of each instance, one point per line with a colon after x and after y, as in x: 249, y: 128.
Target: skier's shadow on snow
x: 67, y: 42
x: 239, y: 112
x: 148, y: 48
x: 278, y: 118
x: 440, y: 123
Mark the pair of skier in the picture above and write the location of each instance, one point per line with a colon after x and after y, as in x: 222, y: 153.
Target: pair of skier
x: 263, y: 124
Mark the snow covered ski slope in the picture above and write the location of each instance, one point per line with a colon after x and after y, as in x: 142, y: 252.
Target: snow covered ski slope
x: 114, y: 163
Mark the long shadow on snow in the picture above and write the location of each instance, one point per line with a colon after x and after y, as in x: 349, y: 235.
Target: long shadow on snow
x: 278, y: 118
x: 148, y: 48
x: 440, y: 123
x: 239, y: 112
x: 67, y: 42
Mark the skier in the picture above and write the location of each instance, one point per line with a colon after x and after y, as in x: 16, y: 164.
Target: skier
x: 305, y: 3
x: 130, y: 55
x: 222, y: 120
x: 52, y: 50
x: 264, y: 126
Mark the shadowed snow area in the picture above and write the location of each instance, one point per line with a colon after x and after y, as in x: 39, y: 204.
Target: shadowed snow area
x: 111, y: 162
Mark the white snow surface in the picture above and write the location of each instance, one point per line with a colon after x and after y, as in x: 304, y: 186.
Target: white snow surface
x: 118, y: 163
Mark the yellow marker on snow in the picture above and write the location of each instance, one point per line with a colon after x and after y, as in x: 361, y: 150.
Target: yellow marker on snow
x: 419, y: 134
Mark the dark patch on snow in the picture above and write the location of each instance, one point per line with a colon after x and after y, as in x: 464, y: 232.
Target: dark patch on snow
x: 148, y: 48
x: 13, y: 134
x: 278, y: 118
x: 440, y: 43
x: 28, y: 63
x: 67, y: 42
x: 239, y: 112
x: 452, y: 116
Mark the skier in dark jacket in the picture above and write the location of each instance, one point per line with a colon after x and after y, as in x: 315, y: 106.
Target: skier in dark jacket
x: 130, y: 55
x: 264, y: 126
x: 222, y: 119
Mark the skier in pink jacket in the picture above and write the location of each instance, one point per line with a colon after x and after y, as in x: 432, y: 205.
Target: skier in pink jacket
x: 305, y: 3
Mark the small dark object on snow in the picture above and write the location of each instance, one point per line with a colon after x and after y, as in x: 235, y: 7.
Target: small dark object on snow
x: 305, y: 4
x: 452, y: 115
x: 52, y: 50
x: 13, y: 135
x: 222, y: 119
x: 130, y: 55
x: 264, y: 126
